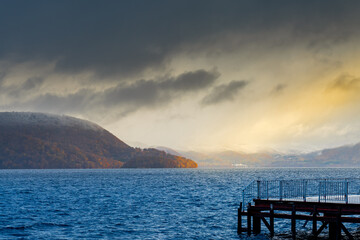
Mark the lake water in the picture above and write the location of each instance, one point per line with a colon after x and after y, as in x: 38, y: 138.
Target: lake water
x: 134, y: 203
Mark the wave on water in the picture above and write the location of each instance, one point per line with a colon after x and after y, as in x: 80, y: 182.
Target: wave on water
x: 137, y: 203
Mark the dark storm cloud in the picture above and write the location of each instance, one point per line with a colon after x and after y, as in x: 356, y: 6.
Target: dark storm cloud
x: 225, y: 92
x: 2, y: 77
x: 19, y: 90
x: 32, y: 83
x: 278, y: 89
x: 191, y: 81
x: 71, y: 103
x: 159, y: 92
x: 345, y: 82
x: 125, y: 37
x: 124, y: 99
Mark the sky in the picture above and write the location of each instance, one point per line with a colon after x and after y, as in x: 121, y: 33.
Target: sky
x: 190, y: 75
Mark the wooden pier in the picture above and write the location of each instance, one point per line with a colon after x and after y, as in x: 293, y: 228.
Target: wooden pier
x: 331, y: 211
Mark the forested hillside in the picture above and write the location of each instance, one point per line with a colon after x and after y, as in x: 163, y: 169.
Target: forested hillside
x: 36, y: 140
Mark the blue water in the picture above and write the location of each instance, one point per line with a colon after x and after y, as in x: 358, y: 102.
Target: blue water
x: 134, y: 203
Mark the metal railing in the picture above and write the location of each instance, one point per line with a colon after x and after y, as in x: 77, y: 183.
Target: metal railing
x: 311, y: 190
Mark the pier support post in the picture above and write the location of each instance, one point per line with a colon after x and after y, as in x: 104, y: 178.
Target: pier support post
x: 293, y: 222
x: 239, y: 226
x: 314, y: 228
x: 256, y: 223
x: 249, y: 220
x: 332, y: 230
x: 338, y: 224
x: 333, y: 227
x: 271, y: 220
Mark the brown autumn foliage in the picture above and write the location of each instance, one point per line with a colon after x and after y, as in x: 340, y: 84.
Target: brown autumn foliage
x: 49, y: 146
x: 152, y: 158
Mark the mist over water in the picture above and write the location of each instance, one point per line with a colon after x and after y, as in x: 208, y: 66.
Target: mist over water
x: 136, y: 203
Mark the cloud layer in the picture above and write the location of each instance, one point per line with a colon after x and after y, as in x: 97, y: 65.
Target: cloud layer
x: 137, y: 64
x: 224, y: 92
x: 126, y: 98
x: 125, y: 37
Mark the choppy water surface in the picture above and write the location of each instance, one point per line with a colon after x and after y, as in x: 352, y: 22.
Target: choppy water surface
x: 134, y: 203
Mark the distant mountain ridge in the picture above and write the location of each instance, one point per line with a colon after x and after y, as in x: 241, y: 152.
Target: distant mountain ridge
x: 38, y: 140
x: 343, y: 156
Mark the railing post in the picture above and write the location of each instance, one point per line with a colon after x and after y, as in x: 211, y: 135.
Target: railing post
x: 304, y: 190
x: 325, y: 190
x: 281, y: 189
x: 258, y: 189
x: 346, y: 192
